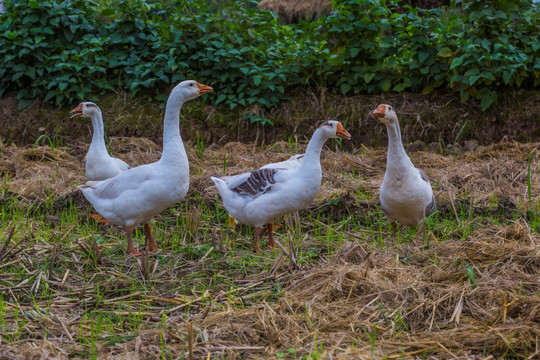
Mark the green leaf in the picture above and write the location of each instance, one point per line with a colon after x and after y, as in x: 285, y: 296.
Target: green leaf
x: 456, y: 62
x: 473, y: 79
x: 108, y: 12
x: 345, y: 88
x: 507, y: 75
x: 385, y: 85
x: 488, y: 75
x: 10, y: 35
x: 427, y: 90
x: 368, y: 77
x: 422, y: 56
x: 445, y: 52
x: 487, y: 100
x: 24, y: 103
x: 354, y: 52
x: 257, y: 80
x: 221, y: 98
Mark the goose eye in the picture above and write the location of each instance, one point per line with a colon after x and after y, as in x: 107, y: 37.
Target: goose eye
x: 190, y: 84
x: 389, y: 108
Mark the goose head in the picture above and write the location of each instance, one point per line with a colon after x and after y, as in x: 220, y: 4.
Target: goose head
x: 386, y: 114
x: 191, y: 89
x: 85, y: 109
x: 333, y: 129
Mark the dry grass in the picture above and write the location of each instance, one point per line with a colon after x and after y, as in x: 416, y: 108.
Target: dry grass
x: 297, y: 10
x: 362, y: 301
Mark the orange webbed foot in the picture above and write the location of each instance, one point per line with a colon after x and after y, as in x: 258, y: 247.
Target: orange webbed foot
x: 99, y: 219
x: 152, y: 247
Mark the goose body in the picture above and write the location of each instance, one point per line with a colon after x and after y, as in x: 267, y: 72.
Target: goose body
x: 260, y: 196
x: 136, y: 195
x: 99, y: 164
x: 406, y: 195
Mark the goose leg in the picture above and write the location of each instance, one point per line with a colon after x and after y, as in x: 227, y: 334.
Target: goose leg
x: 394, y: 228
x: 422, y: 230
x: 270, y: 228
x: 256, y: 238
x: 131, y: 248
x: 151, y: 242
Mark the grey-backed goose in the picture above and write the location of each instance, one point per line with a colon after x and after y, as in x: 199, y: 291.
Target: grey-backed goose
x: 258, y: 197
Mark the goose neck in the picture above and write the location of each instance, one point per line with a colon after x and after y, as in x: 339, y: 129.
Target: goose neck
x: 312, y: 157
x: 173, y: 147
x: 98, y: 137
x: 396, y: 157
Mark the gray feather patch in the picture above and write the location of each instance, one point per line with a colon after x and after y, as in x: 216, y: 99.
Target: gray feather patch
x: 423, y: 175
x: 432, y: 206
x: 258, y: 182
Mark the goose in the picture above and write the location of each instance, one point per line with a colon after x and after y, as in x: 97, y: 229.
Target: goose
x: 136, y: 195
x: 406, y: 195
x: 258, y: 197
x: 291, y: 163
x: 99, y: 164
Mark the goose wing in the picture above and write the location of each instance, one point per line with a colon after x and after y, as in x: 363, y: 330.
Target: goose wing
x: 432, y: 206
x: 258, y: 182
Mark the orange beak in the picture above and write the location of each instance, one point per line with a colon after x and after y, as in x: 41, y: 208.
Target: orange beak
x: 342, y: 133
x: 379, y: 112
x: 76, y: 112
x: 204, y: 88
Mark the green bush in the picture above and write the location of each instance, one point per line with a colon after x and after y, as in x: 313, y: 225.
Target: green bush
x: 475, y: 49
x: 48, y: 51
x: 65, y: 51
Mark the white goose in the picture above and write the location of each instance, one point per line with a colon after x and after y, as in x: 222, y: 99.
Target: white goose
x: 258, y: 197
x: 136, y: 195
x: 406, y: 195
x: 99, y: 164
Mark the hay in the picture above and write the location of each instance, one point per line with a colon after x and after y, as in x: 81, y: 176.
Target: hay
x: 416, y: 308
x: 362, y: 302
x: 294, y: 11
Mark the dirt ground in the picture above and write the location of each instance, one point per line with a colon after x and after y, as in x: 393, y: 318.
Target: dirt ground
x: 436, y: 118
x: 360, y: 303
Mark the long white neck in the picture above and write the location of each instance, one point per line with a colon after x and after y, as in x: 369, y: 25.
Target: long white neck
x: 396, y: 159
x: 312, y: 157
x: 98, y: 138
x: 173, y: 147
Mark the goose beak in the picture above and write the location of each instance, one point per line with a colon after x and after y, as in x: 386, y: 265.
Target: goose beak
x: 203, y: 89
x: 342, y: 133
x: 379, y: 112
x: 76, y: 112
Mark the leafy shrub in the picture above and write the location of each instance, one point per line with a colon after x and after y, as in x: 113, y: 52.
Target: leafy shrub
x: 475, y: 50
x: 493, y: 45
x: 45, y: 50
x: 66, y: 51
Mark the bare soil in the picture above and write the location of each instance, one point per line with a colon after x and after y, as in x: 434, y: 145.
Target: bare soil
x: 439, y: 120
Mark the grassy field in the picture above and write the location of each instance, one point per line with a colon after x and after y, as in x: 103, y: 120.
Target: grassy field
x: 342, y: 287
